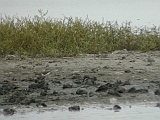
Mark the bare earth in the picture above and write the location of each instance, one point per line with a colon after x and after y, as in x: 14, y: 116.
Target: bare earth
x: 120, y: 77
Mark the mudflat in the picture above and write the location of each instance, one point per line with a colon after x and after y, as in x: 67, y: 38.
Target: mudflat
x: 119, y: 77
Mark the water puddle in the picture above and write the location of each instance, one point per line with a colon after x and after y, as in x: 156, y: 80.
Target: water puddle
x: 91, y: 113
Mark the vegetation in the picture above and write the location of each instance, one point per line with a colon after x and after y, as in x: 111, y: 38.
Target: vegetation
x: 69, y: 37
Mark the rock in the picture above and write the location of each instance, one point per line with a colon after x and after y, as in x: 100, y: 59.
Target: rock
x: 158, y: 105
x: 126, y: 83
x: 105, y: 87
x: 89, y: 81
x: 102, y: 88
x: 43, y: 93
x: 56, y: 82
x: 86, y: 77
x: 41, y: 84
x: 114, y: 92
x: 9, y: 111
x: 67, y: 86
x: 127, y: 71
x: 76, y: 76
x: 81, y: 92
x: 74, y: 108
x: 91, y: 94
x: 116, y: 107
x: 134, y: 90
x: 17, y: 98
x: 120, y: 89
x: 41, y: 104
x: 157, y: 92
x: 55, y: 93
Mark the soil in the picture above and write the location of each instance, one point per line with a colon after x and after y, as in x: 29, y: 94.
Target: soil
x: 120, y: 77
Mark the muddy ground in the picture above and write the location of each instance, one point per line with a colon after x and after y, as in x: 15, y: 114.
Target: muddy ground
x: 120, y: 77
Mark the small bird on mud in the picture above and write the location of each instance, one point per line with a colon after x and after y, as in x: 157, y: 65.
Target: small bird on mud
x: 45, y: 72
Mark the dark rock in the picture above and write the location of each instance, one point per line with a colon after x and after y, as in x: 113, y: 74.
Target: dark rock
x: 120, y: 89
x: 9, y: 111
x: 118, y: 82
x: 74, y: 108
x: 67, y: 86
x: 43, y: 93
x: 157, y: 92
x: 105, y: 87
x: 86, y: 77
x: 55, y: 93
x: 56, y: 82
x: 41, y: 104
x: 158, y: 105
x: 25, y: 102
x: 76, y: 76
x: 134, y: 90
x: 41, y: 84
x: 7, y: 87
x: 114, y: 92
x: 89, y: 81
x: 40, y: 77
x: 17, y: 98
x: 116, y: 107
x: 91, y: 94
x: 127, y: 71
x: 102, y: 88
x: 126, y: 83
x: 81, y: 92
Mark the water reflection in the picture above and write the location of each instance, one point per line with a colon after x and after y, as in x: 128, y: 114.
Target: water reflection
x: 92, y: 113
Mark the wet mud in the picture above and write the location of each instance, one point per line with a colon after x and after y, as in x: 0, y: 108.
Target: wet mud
x: 120, y: 77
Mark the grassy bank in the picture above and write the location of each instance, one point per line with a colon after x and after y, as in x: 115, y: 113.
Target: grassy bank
x: 70, y: 37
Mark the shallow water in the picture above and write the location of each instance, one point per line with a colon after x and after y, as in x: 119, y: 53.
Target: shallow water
x: 92, y: 113
x: 139, y: 12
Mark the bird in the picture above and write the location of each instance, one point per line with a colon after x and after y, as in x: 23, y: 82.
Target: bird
x: 45, y: 72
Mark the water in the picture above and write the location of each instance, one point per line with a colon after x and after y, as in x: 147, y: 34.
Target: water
x: 126, y: 113
x: 139, y: 12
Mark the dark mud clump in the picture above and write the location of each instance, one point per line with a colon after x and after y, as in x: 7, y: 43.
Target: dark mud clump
x: 79, y: 80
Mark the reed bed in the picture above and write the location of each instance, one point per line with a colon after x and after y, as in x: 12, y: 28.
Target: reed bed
x: 69, y: 36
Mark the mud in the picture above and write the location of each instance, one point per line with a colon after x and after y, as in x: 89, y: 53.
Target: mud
x: 120, y: 77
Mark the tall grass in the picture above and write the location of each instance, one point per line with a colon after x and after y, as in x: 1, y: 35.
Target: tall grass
x: 69, y: 37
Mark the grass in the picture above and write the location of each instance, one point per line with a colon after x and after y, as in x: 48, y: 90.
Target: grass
x: 70, y: 37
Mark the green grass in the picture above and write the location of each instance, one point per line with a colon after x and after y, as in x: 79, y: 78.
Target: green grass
x: 70, y: 37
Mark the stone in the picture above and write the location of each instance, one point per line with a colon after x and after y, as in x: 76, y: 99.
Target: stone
x: 105, y: 87
x: 157, y: 92
x: 134, y: 90
x: 9, y: 111
x: 74, y: 108
x: 114, y: 92
x: 81, y: 92
x: 116, y: 107
x: 43, y: 93
x: 127, y: 70
x: 67, y: 86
